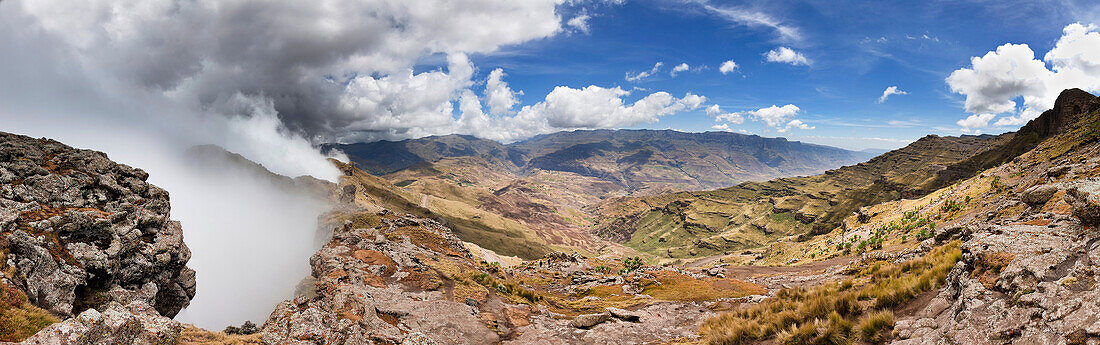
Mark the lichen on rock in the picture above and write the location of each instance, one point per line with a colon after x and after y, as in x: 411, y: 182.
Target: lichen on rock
x: 80, y: 231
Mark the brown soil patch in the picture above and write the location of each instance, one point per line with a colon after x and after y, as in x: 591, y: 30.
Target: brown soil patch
x: 426, y: 280
x: 1039, y: 222
x: 917, y: 304
x: 989, y: 265
x: 374, y: 257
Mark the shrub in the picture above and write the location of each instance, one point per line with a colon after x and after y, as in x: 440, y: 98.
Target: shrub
x: 631, y: 264
x: 950, y: 206
x: 247, y: 328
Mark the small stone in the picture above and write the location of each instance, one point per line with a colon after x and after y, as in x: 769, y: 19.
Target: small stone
x: 714, y: 271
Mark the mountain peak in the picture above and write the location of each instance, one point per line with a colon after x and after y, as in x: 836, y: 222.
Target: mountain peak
x: 1070, y: 106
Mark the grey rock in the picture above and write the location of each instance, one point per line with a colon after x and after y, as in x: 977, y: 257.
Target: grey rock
x: 136, y: 323
x: 81, y: 225
x: 1085, y: 201
x: 1059, y: 171
x: 587, y: 321
x: 1037, y: 196
x: 623, y: 314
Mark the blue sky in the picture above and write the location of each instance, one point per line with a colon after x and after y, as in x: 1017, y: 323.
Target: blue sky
x: 856, y: 49
x: 294, y: 75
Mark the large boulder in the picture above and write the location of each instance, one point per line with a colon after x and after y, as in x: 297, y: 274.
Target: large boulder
x: 76, y: 226
x: 1037, y: 196
x: 1085, y: 200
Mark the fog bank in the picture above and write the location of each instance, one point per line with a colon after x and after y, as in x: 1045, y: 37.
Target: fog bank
x: 250, y: 240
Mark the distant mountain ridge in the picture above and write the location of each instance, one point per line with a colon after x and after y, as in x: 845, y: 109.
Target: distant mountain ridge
x: 638, y: 160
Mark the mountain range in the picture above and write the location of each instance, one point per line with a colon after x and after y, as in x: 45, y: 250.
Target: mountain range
x: 981, y: 239
x: 638, y: 161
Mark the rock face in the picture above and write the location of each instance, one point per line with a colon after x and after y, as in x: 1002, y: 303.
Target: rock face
x: 1070, y: 106
x: 373, y: 287
x: 1028, y: 275
x: 136, y: 323
x: 80, y: 230
x: 1044, y: 294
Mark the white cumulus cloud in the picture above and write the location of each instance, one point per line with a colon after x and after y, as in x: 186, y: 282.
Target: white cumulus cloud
x: 795, y: 124
x: 893, y: 90
x: 728, y: 67
x: 995, y: 82
x: 974, y: 123
x: 775, y: 116
x: 500, y: 96
x: 715, y: 111
x: 592, y: 107
x: 787, y: 56
x: 782, y: 119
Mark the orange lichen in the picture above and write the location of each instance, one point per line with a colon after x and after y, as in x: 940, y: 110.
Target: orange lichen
x: 374, y: 257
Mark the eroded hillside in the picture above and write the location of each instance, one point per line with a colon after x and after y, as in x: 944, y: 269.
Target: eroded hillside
x: 637, y: 161
x: 749, y: 215
x: 1021, y: 273
x: 539, y: 192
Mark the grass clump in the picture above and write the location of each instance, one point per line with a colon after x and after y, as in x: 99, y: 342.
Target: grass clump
x: 507, y: 289
x: 18, y: 318
x: 826, y: 313
x: 877, y: 327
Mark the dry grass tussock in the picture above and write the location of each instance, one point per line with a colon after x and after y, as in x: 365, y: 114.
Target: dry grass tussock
x: 829, y: 313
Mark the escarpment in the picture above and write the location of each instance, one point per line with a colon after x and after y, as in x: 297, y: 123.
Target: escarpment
x: 78, y: 231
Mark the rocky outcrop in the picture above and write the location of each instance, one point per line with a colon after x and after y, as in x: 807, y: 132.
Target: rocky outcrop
x: 372, y: 286
x: 1028, y: 275
x: 1085, y: 201
x: 79, y: 230
x: 1019, y: 284
x: 1068, y: 108
x: 136, y: 323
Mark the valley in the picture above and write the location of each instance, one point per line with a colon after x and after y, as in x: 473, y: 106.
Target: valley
x: 970, y: 239
x: 550, y: 188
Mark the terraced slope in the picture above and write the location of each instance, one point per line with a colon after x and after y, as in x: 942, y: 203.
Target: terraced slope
x: 752, y: 214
